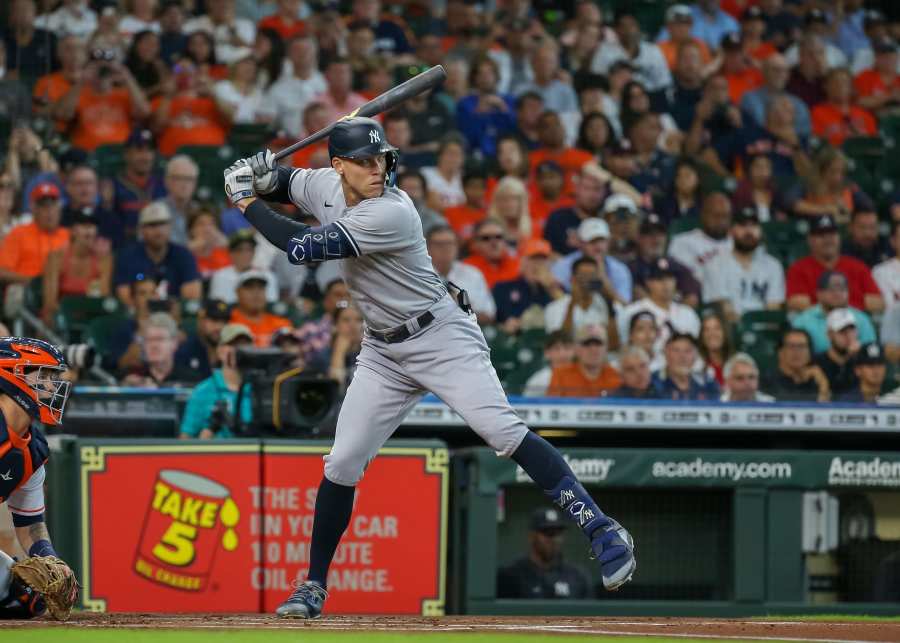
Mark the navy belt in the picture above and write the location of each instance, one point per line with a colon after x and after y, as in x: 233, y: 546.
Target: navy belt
x: 402, y: 333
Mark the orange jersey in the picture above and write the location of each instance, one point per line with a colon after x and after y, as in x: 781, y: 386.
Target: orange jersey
x: 669, y: 50
x: 193, y: 120
x: 833, y: 124
x: 506, y: 270
x: 262, y: 326
x: 24, y: 250
x: 287, y: 29
x: 462, y: 218
x: 571, y: 159
x: 570, y: 381
x: 871, y: 83
x: 742, y: 82
x: 312, y: 156
x: 218, y: 258
x: 101, y: 119
x: 49, y: 90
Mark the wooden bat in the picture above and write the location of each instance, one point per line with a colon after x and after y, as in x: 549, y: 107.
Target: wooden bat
x: 386, y: 101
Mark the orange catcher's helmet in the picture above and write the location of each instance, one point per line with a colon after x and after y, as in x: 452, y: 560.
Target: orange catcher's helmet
x: 31, y: 374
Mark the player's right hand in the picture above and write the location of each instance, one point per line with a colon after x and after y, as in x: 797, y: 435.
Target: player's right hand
x: 264, y: 174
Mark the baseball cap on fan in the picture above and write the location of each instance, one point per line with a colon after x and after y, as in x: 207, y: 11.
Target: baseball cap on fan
x: 44, y: 190
x: 679, y: 13
x: 823, y: 225
x: 593, y: 228
x: 652, y: 223
x: 153, y: 214
x: 547, y: 519
x: 839, y: 319
x: 233, y: 332
x: 537, y: 248
x: 250, y: 276
x: 870, y: 355
x: 622, y: 205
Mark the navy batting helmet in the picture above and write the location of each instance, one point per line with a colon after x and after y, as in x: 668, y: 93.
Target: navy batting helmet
x: 360, y: 137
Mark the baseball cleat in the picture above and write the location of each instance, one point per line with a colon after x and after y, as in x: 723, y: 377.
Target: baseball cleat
x: 613, y: 546
x: 304, y: 602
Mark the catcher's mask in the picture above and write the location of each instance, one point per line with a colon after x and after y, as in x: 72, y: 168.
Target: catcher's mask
x: 360, y: 137
x: 30, y: 373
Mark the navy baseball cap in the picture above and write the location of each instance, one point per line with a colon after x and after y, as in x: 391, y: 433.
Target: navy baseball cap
x: 752, y: 13
x: 660, y: 268
x: 82, y: 216
x: 816, y: 15
x: 140, y: 137
x: 652, y: 223
x: 823, y: 225
x: 869, y: 355
x: 884, y: 45
x: 731, y: 41
x: 547, y: 519
x: 745, y: 215
x: 216, y: 309
x: 872, y: 17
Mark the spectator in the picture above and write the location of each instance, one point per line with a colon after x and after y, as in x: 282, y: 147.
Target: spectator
x: 158, y: 368
x: 198, y: 350
x: 529, y: 109
x: 870, y: 369
x: 293, y: 91
x: 339, y: 99
x: 714, y: 346
x: 878, y: 88
x: 797, y: 379
x: 443, y: 248
x: 82, y: 192
x: 50, y: 88
x: 843, y: 345
x: 79, y: 268
x: 285, y: 340
x: 211, y: 408
x: 463, y: 217
x: 686, y: 92
x: 670, y: 317
x: 521, y: 299
x: 876, y: 28
x: 890, y: 334
x: 753, y: 27
x: 224, y: 283
x: 135, y: 186
x: 595, y: 135
x: 591, y: 190
x: 824, y: 255
x: 315, y: 335
x: 637, y: 382
x: 887, y: 273
x: 847, y: 20
x: 742, y: 380
x: 30, y: 52
x: 778, y: 140
x: 491, y: 255
x: 313, y: 156
x: 240, y: 98
x: 558, y: 351
x: 186, y: 113
x: 444, y: 181
x: 817, y: 24
x: 124, y: 349
x: 744, y: 277
x: 485, y: 115
x: 207, y: 243
x: 590, y: 375
x: 624, y: 219
x: 144, y: 62
x: 8, y: 218
x: 557, y: 95
x: 613, y: 276
x: 233, y: 36
x: 863, y: 241
x: 635, y: 105
x: 654, y: 169
x: 200, y: 53
x: 552, y: 139
x: 286, y: 21
x: 390, y: 36
x: 102, y: 104
x: 72, y: 18
x: 509, y: 207
x: 756, y: 103
x: 584, y: 306
x: 430, y: 120
x: 142, y: 17
x: 808, y: 76
x: 413, y: 183
x: 716, y: 128
x: 682, y: 200
x: 108, y: 36
x: 831, y: 292
x: 759, y: 189
x: 838, y: 118
x: 172, y: 39
x: 250, y: 308
x: 699, y: 247
x: 338, y: 360
x: 171, y: 265
x: 829, y: 192
x: 782, y: 25
x: 24, y: 251
x: 679, y: 24
x: 677, y: 381
x: 711, y: 24
x: 649, y: 63
x: 643, y: 333
x: 740, y: 72
x: 180, y: 182
x: 542, y: 573
x: 546, y: 195
x: 512, y: 158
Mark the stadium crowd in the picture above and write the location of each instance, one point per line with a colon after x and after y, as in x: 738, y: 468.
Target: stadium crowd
x: 643, y: 199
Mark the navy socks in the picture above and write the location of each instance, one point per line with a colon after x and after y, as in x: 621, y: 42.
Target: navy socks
x: 544, y: 464
x: 334, y: 504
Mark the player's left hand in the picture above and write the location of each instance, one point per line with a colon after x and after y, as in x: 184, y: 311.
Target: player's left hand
x: 239, y: 182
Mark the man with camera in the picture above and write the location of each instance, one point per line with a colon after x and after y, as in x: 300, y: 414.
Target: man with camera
x: 211, y: 408
x: 586, y: 304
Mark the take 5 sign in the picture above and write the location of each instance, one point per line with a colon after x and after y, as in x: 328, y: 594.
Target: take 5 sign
x: 226, y: 528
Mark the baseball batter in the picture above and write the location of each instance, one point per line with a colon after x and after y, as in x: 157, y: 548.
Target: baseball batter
x: 420, y: 336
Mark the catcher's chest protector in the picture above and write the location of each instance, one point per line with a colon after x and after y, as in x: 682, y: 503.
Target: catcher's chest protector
x: 20, y: 456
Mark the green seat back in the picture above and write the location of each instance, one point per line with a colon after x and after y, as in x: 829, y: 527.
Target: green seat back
x: 76, y: 312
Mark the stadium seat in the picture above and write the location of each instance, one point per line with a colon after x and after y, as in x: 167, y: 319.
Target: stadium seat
x: 249, y: 138
x: 100, y: 331
x: 212, y: 161
x: 780, y: 236
x: 108, y: 160
x: 684, y: 224
x: 34, y: 295
x: 758, y: 334
x: 75, y: 314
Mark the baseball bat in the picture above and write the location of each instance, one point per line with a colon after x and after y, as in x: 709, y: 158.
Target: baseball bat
x: 388, y: 100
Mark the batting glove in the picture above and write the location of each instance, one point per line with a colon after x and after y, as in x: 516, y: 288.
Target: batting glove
x: 265, y: 177
x: 239, y: 182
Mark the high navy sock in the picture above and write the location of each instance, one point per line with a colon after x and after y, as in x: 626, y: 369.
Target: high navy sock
x: 334, y: 504
x: 544, y: 464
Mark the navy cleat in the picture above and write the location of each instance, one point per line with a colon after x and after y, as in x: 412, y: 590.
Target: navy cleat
x: 304, y: 602
x: 613, y: 546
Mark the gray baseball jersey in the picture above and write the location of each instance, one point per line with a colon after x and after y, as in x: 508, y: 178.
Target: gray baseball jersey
x: 392, y: 279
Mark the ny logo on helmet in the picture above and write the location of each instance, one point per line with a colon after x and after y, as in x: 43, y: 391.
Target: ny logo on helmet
x: 374, y: 137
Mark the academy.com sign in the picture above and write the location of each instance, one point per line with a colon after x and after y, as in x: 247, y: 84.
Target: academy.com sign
x: 700, y: 469
x: 586, y: 469
x: 873, y: 472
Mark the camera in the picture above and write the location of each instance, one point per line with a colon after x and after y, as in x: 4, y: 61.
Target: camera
x: 285, y: 401
x: 104, y: 58
x: 220, y: 418
x: 80, y: 356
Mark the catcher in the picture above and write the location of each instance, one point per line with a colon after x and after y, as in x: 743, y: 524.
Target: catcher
x: 31, y: 388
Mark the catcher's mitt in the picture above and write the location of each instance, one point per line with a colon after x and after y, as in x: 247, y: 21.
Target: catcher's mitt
x: 52, y: 578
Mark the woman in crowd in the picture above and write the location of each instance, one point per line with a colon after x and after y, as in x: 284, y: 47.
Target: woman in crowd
x: 683, y: 198
x: 828, y: 191
x: 636, y: 103
x: 146, y: 65
x: 715, y: 346
x: 509, y: 206
x: 760, y: 190
x: 207, y: 242
x: 239, y: 98
x: 595, y: 135
x: 268, y: 52
x: 201, y: 52
x: 444, y: 181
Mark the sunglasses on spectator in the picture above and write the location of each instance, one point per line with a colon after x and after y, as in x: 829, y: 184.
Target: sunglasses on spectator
x: 490, y: 237
x: 593, y: 342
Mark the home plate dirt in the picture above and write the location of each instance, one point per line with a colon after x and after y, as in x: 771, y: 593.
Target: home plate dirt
x: 610, y: 626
